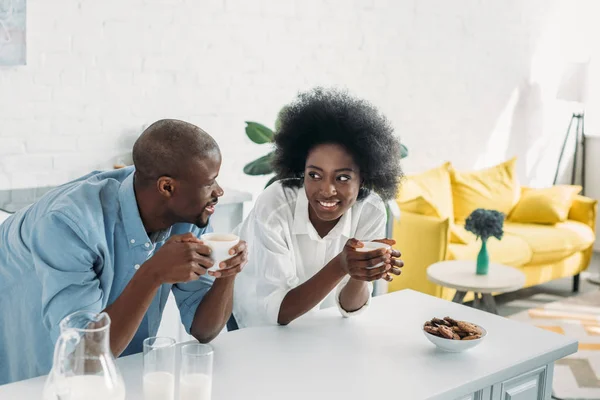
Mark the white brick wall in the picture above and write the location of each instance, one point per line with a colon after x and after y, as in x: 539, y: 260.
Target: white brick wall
x: 455, y: 77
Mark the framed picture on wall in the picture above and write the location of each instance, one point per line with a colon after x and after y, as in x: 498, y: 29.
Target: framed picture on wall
x: 12, y: 32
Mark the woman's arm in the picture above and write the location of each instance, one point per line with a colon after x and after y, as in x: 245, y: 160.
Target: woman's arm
x: 354, y: 295
x: 306, y: 296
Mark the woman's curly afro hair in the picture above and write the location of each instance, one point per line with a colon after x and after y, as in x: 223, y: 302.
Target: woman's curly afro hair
x: 324, y: 116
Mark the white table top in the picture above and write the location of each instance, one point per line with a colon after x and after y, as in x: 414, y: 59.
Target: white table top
x: 460, y: 275
x: 380, y: 354
x: 3, y: 216
x: 233, y: 196
x: 13, y: 200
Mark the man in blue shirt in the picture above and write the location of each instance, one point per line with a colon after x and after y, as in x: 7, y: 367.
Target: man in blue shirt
x: 117, y: 242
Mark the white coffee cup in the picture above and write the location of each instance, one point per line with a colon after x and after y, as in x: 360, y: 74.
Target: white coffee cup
x: 370, y: 246
x: 220, y: 244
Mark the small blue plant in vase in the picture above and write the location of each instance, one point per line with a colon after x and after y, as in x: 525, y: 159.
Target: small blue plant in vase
x: 485, y: 224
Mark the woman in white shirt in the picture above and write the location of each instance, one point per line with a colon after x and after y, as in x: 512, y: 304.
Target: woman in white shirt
x: 336, y: 158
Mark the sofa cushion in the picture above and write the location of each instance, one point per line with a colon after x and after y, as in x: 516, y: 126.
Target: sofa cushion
x: 550, y: 243
x: 459, y: 234
x: 511, y: 250
x: 433, y: 188
x: 412, y: 198
x: 544, y: 206
x: 495, y: 188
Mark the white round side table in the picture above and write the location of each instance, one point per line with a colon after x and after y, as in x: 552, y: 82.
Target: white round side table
x: 460, y: 275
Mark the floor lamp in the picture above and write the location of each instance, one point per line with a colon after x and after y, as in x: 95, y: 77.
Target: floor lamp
x: 579, y: 142
x: 573, y: 88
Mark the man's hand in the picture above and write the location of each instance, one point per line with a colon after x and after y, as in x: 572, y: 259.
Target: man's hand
x: 359, y: 265
x: 396, y: 263
x: 215, y: 308
x: 233, y: 265
x: 182, y: 258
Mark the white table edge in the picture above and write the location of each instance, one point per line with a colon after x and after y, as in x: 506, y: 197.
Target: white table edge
x: 494, y: 289
x: 502, y: 289
x: 509, y: 372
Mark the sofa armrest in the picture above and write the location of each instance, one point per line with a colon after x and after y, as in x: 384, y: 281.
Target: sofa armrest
x: 422, y: 240
x: 584, y: 210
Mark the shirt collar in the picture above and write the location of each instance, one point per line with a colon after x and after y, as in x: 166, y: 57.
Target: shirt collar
x: 303, y: 226
x: 132, y: 221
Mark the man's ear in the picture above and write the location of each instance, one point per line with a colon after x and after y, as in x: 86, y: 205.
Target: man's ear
x: 166, y: 186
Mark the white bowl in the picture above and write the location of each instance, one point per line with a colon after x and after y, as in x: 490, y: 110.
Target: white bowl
x: 454, y: 346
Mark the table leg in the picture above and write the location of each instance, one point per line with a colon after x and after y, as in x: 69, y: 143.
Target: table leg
x: 489, y: 303
x: 459, y: 296
x: 477, y: 300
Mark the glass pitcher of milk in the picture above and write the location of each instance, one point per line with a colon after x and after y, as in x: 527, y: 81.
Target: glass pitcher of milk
x: 84, y: 367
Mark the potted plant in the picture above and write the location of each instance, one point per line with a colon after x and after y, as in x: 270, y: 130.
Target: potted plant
x: 485, y: 224
x: 260, y: 134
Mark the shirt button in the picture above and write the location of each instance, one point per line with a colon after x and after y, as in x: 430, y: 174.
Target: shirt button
x: 132, y: 241
x: 147, y: 245
x: 136, y: 266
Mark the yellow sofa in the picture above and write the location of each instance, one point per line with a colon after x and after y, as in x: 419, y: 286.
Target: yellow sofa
x: 431, y: 227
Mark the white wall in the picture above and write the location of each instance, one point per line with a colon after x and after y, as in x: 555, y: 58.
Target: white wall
x: 593, y: 183
x: 467, y: 81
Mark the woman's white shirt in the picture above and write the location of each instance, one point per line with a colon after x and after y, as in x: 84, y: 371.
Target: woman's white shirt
x: 285, y: 250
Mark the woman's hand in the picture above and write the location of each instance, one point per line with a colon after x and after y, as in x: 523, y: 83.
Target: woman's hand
x: 361, y: 265
x: 396, y: 263
x: 235, y: 264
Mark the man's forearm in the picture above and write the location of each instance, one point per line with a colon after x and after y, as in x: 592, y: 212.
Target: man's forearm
x: 128, y: 310
x: 354, y: 295
x: 214, y: 310
x: 304, y: 297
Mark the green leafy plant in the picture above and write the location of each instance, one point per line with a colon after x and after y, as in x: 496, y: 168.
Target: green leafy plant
x: 260, y: 134
x: 485, y: 224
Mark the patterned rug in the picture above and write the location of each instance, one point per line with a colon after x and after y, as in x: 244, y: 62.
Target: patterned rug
x: 576, y: 376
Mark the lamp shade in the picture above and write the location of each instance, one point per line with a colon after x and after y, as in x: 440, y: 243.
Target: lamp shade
x: 573, y: 83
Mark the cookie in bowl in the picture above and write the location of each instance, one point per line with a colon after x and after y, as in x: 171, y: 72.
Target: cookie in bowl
x: 453, y: 335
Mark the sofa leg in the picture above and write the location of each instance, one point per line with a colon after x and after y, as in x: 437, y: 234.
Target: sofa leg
x: 576, y: 283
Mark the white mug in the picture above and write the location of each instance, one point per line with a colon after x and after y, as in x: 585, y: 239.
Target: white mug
x: 370, y: 246
x: 220, y: 244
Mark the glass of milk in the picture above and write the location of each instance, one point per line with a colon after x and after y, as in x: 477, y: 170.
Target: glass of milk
x: 159, y: 368
x: 195, y: 374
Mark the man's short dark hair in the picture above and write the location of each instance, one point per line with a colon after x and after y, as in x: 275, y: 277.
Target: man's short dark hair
x: 166, y: 147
